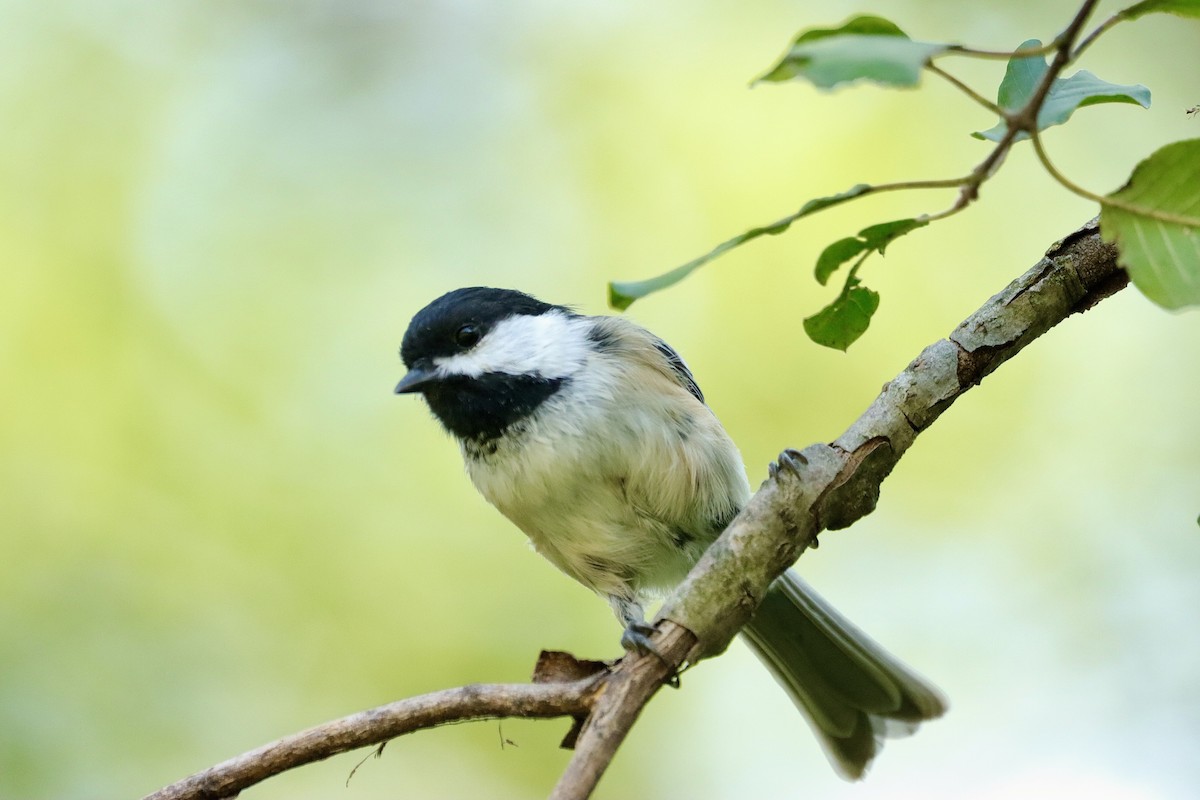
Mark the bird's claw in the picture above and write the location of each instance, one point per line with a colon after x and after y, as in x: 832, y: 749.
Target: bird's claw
x: 636, y: 639
x: 790, y: 460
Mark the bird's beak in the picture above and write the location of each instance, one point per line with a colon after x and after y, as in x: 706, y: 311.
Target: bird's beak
x: 416, y: 380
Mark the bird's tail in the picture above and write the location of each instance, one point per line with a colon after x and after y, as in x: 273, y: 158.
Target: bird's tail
x: 852, y: 692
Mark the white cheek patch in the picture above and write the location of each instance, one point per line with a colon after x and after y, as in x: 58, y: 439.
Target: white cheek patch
x: 550, y: 345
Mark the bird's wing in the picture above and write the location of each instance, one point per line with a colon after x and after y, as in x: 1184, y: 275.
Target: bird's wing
x: 682, y: 470
x: 680, y: 368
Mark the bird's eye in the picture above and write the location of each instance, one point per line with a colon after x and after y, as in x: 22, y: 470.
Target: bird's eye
x: 467, y: 335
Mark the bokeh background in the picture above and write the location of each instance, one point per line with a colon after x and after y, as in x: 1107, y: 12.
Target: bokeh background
x: 219, y: 526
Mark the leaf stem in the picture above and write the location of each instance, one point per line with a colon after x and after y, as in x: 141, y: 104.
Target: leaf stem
x: 1004, y: 55
x: 852, y: 275
x: 967, y: 90
x: 1066, y: 182
x: 1111, y: 202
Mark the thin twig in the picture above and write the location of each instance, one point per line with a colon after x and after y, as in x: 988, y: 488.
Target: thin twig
x: 1100, y: 30
x: 621, y: 294
x: 1025, y: 118
x: 377, y: 725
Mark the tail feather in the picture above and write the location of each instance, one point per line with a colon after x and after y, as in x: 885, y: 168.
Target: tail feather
x: 852, y: 691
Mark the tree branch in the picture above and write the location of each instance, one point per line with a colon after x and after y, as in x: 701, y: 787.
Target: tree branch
x: 823, y: 487
x: 830, y: 486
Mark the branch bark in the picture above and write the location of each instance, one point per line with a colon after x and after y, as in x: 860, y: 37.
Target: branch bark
x: 823, y: 487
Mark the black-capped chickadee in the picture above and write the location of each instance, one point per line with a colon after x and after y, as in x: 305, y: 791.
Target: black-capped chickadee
x: 591, y: 435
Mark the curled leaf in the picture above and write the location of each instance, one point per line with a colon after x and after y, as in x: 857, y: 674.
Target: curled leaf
x: 1022, y: 77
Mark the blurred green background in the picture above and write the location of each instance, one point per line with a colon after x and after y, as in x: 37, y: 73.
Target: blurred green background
x: 220, y: 526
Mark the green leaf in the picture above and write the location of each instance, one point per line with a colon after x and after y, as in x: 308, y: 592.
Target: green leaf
x: 835, y: 255
x: 1182, y: 8
x: 862, y: 25
x: 863, y: 48
x: 1065, y: 96
x: 840, y: 323
x: 1160, y: 246
x: 872, y: 239
x: 621, y: 294
x: 878, y: 237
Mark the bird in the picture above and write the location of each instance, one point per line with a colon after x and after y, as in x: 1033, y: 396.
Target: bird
x: 592, y: 436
